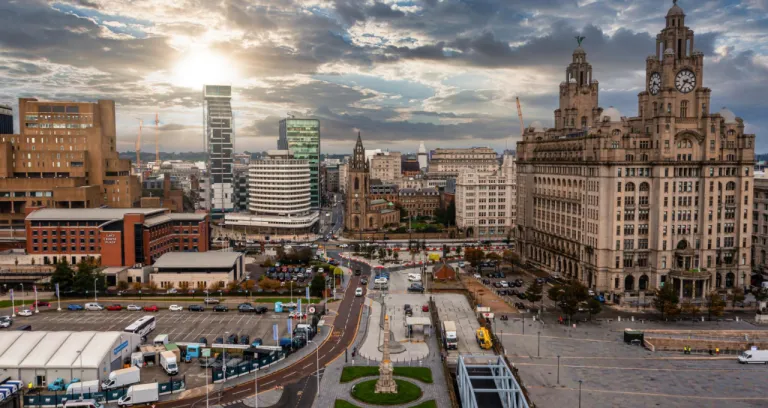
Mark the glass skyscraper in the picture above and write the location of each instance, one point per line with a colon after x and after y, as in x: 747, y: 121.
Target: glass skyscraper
x: 302, y: 138
x: 219, y: 143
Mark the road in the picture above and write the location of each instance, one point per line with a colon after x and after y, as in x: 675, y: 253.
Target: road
x: 342, y: 335
x: 330, y: 224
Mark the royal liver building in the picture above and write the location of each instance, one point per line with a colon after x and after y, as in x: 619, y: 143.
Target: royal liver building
x: 627, y: 204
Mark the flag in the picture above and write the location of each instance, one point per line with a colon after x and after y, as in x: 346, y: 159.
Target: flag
x: 290, y: 326
x: 11, y: 292
x: 57, y: 290
x: 299, y: 305
x: 307, y: 290
x: 274, y: 332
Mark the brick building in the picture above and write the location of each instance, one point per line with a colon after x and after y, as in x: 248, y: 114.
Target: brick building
x: 419, y: 203
x: 116, y: 236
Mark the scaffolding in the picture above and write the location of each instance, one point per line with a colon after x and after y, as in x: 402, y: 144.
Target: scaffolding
x: 487, y: 381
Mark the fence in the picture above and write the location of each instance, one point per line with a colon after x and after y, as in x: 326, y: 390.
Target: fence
x: 57, y: 399
x: 247, y: 367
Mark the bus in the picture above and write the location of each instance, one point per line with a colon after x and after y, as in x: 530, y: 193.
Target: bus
x: 142, y: 327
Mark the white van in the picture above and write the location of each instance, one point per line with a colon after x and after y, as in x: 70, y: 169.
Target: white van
x: 93, y: 306
x: 753, y: 357
x: 359, y: 292
x: 414, y: 277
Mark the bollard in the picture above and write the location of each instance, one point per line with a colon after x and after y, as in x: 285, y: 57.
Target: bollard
x: 633, y: 318
x: 737, y: 318
x: 619, y: 318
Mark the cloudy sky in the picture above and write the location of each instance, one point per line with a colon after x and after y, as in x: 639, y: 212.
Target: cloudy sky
x: 401, y: 71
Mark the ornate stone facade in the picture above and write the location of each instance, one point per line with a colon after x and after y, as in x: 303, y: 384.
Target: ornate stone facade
x: 362, y: 214
x: 629, y: 203
x: 386, y: 383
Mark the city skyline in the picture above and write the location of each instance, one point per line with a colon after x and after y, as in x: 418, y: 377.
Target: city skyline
x: 379, y: 67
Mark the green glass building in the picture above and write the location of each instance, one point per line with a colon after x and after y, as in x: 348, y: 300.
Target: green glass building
x: 302, y: 138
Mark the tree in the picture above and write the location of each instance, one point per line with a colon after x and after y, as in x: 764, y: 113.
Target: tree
x: 85, y: 275
x: 715, y: 305
x: 317, y: 286
x: 184, y: 286
x: 232, y: 286
x: 594, y: 307
x: 689, y: 308
x: 396, y: 255
x: 152, y: 286
x: 737, y: 296
x: 64, y: 275
x: 458, y: 250
x: 493, y: 256
x: 761, y: 295
x: 510, y: 256
x: 665, y: 300
x: 474, y: 256
x: 122, y: 285
x: 268, y: 284
x: 248, y: 284
x: 569, y: 296
x: 382, y: 253
x: 136, y: 286
x: 534, y: 292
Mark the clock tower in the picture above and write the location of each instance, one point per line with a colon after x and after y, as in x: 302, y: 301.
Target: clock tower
x: 357, y: 189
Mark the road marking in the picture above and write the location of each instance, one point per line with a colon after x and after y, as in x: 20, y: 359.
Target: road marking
x: 651, y: 394
x: 637, y: 368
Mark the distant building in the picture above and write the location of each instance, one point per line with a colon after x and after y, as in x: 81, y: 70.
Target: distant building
x: 219, y: 142
x: 422, y: 157
x: 486, y: 201
x: 332, y: 179
x: 198, y: 271
x: 386, y: 166
x: 302, y: 138
x: 760, y: 226
x: 240, y: 188
x: 115, y: 236
x: 6, y: 120
x: 419, y: 203
x: 410, y: 168
x: 446, y: 163
x: 279, y: 197
x: 343, y: 177
x: 362, y: 213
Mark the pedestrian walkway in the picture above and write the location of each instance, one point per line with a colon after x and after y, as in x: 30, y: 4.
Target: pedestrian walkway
x: 370, y: 347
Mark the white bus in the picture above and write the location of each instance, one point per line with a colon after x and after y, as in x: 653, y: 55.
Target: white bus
x: 143, y: 326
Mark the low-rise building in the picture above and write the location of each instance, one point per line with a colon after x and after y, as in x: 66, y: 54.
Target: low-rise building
x: 200, y: 271
x: 115, y: 236
x: 419, y: 203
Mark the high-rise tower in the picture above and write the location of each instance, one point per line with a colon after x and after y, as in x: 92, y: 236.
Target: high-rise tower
x: 302, y: 138
x: 219, y: 144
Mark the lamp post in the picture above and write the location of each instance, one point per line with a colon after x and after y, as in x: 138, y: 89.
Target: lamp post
x: 538, y: 347
x: 95, y: 292
x: 579, y: 393
x: 558, y: 369
x: 80, y: 354
x: 317, y: 373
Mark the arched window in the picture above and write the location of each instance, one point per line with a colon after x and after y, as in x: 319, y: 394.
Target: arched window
x: 357, y: 222
x: 583, y: 122
x: 630, y: 187
x: 644, y: 186
x: 629, y: 283
x: 370, y: 222
x: 730, y: 186
x: 669, y: 108
x: 729, y: 279
x: 357, y: 184
x: 683, y: 109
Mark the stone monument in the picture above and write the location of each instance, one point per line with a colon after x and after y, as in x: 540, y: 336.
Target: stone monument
x: 386, y: 384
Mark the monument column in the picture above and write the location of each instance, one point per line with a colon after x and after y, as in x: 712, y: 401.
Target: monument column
x: 386, y: 384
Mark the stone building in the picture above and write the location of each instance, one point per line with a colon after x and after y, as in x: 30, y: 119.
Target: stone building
x: 65, y: 156
x: 627, y: 204
x: 760, y: 226
x: 343, y: 177
x: 446, y: 163
x: 362, y: 213
x: 419, y: 203
x: 486, y: 201
x: 386, y: 166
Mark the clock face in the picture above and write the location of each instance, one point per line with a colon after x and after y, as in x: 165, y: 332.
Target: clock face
x: 685, y: 81
x: 654, y: 84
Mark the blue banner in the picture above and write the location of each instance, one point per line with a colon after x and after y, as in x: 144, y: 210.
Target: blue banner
x: 274, y: 332
x: 11, y: 292
x: 299, y: 308
x: 307, y: 289
x: 290, y: 325
x: 57, y: 290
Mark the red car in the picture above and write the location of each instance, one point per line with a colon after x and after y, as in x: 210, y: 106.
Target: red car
x: 114, y: 307
x: 425, y: 308
x: 152, y: 308
x: 41, y: 304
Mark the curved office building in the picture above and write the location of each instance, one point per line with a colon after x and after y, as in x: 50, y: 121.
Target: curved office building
x: 279, y: 196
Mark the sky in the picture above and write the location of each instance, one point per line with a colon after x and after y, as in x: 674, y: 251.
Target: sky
x: 445, y: 72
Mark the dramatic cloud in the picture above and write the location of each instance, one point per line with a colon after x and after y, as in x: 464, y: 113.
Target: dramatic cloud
x: 443, y: 71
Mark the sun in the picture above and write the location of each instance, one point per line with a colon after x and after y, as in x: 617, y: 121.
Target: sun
x: 202, y: 66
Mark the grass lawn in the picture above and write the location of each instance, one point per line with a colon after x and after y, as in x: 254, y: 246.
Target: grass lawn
x: 225, y: 299
x: 343, y: 404
x: 426, y: 404
x: 406, y: 392
x: 352, y: 373
x: 27, y: 302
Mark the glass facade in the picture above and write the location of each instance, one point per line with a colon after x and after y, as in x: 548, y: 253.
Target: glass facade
x: 302, y: 138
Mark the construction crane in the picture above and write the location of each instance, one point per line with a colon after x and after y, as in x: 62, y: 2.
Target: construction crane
x: 138, y: 149
x: 520, y: 116
x: 157, y: 140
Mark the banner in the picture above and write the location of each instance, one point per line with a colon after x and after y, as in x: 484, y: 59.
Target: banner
x: 290, y: 325
x: 57, y: 290
x: 299, y: 309
x: 274, y: 332
x: 11, y: 292
x: 307, y: 290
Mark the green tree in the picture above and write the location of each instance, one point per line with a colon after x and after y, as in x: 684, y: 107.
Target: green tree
x: 64, y: 275
x: 510, y: 256
x: 396, y: 255
x: 85, y: 275
x: 317, y: 285
x: 474, y: 256
x: 761, y: 295
x: 382, y: 253
x: 715, y: 305
x: 594, y: 307
x: 666, y: 300
x: 458, y: 250
x: 534, y: 293
x: 568, y: 296
x: 737, y: 296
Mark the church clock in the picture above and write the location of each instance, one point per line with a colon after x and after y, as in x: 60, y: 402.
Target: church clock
x: 685, y: 81
x: 654, y: 84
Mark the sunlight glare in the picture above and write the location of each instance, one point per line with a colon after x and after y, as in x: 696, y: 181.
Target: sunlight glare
x: 200, y: 67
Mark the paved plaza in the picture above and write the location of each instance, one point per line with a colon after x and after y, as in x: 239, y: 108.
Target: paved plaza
x: 615, y: 374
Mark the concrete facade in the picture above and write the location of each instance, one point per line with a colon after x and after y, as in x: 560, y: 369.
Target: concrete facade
x: 385, y: 166
x: 486, y: 203
x: 623, y: 203
x: 446, y: 163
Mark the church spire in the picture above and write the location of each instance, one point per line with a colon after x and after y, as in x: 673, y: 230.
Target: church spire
x: 358, y: 154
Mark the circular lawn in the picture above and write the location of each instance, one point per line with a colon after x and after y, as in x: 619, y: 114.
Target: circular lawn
x: 406, y: 392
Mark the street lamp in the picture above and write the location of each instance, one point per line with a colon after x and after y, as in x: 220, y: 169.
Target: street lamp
x: 95, y: 292
x: 558, y: 369
x: 317, y: 356
x: 579, y: 393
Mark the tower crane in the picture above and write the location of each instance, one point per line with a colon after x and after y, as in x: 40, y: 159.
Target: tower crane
x: 520, y: 116
x: 157, y: 140
x: 138, y: 149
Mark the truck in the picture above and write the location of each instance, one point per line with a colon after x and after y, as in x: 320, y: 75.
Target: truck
x: 484, y: 338
x: 139, y: 394
x: 169, y: 362
x: 450, y: 338
x: 161, y: 340
x: 306, y: 329
x: 753, y: 357
x: 121, y: 378
x: 84, y: 387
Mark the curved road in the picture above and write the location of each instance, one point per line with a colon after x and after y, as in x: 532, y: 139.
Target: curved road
x: 343, y: 334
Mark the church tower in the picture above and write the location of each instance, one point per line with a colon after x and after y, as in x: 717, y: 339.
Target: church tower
x: 578, y: 95
x: 357, y: 189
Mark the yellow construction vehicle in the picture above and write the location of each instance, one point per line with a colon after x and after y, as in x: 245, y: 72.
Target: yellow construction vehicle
x: 484, y: 338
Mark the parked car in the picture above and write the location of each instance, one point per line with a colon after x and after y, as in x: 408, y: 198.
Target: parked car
x: 5, y: 321
x: 203, y: 340
x: 196, y: 308
x: 219, y: 340
x: 425, y: 308
x: 363, y: 281
x: 359, y: 292
x: 416, y: 288
x: 260, y: 309
x: 502, y: 292
x: 133, y: 308
x: 41, y: 303
x: 245, y: 308
x: 211, y: 301
x: 25, y: 312
x: 496, y: 284
x: 93, y: 306
x: 245, y: 339
x: 175, y: 308
x: 232, y: 339
x: 220, y: 308
x: 297, y: 315
x: 152, y: 308
x: 504, y: 284
x: 74, y: 307
x: 487, y: 281
x: 115, y: 307
x: 522, y: 295
x: 407, y: 310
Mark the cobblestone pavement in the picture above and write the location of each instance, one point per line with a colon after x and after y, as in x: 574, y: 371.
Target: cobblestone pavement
x: 613, y: 373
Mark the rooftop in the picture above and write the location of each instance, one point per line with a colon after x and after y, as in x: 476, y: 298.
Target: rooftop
x: 89, y: 214
x: 174, y: 216
x: 197, y: 259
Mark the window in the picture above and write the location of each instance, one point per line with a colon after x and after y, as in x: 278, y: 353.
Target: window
x: 683, y: 109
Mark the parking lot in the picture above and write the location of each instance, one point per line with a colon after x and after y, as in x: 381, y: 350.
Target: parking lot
x: 510, y: 294
x: 183, y: 326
